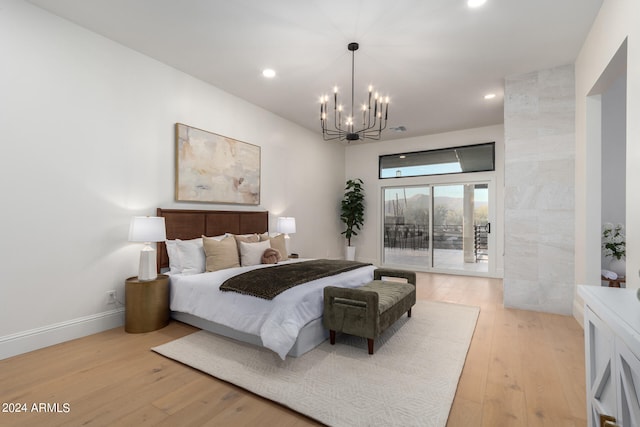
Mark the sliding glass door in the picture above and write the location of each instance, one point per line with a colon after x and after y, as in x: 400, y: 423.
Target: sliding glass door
x: 460, y: 227
x: 444, y: 227
x: 406, y: 226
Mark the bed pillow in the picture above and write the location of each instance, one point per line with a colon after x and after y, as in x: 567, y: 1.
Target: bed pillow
x: 220, y: 254
x: 280, y: 244
x: 175, y: 261
x: 251, y: 253
x: 191, y: 256
x: 175, y: 266
x: 247, y: 238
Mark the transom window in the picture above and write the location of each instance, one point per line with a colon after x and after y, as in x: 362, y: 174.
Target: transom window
x: 465, y: 159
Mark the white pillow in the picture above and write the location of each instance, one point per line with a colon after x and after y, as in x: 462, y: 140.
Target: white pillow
x: 251, y: 253
x: 175, y: 266
x: 175, y: 260
x: 191, y: 254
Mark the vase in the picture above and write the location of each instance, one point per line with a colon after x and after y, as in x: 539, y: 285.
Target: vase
x: 350, y: 253
x: 618, y: 266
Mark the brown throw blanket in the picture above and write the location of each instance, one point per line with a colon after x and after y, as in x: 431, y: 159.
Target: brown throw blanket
x: 269, y: 282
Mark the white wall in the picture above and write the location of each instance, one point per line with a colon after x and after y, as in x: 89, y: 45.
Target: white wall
x: 87, y: 131
x: 615, y: 23
x: 614, y: 126
x: 362, y: 162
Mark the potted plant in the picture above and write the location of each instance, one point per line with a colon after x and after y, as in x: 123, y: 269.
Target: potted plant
x: 352, y: 213
x: 613, y: 246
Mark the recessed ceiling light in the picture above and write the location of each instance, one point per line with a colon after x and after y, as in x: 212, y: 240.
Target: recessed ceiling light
x: 475, y: 3
x: 269, y: 73
x: 490, y: 96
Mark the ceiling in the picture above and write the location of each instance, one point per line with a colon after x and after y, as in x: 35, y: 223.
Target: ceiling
x: 435, y: 59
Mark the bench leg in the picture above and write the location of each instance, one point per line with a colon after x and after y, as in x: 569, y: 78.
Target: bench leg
x: 409, y: 313
x: 370, y: 345
x: 332, y: 337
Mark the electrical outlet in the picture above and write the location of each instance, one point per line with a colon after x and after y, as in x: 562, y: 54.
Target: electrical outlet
x: 111, y: 297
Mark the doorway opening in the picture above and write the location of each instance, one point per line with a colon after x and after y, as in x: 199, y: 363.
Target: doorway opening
x: 606, y: 152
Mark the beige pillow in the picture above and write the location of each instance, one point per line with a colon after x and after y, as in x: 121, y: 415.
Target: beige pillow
x: 247, y: 238
x: 279, y: 243
x: 220, y: 254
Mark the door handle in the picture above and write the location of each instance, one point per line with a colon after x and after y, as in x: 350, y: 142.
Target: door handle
x: 607, y: 421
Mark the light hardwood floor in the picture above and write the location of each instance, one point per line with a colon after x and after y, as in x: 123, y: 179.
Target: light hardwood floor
x: 523, y: 369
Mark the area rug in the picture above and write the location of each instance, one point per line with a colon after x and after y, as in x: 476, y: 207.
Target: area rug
x: 410, y: 380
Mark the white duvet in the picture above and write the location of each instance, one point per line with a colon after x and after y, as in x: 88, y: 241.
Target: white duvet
x: 277, y: 321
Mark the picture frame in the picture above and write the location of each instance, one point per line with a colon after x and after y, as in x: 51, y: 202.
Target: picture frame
x: 212, y: 168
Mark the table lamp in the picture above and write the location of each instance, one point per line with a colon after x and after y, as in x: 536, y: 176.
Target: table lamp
x: 147, y: 229
x: 286, y: 225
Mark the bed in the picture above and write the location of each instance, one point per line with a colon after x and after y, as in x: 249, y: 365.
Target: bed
x: 290, y: 324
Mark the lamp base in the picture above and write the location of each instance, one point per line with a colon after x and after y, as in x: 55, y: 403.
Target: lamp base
x: 147, y: 270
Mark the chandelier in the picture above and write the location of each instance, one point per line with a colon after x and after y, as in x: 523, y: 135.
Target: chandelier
x: 373, y: 113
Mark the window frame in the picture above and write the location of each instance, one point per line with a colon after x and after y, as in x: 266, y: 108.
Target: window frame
x: 439, y: 150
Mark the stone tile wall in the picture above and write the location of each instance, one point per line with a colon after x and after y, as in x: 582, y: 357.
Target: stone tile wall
x: 539, y: 122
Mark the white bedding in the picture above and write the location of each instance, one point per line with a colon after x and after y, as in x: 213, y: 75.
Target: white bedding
x: 277, y: 322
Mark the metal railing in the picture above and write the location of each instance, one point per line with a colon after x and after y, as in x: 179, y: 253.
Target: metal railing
x: 416, y: 237
x: 481, y: 242
x: 406, y: 236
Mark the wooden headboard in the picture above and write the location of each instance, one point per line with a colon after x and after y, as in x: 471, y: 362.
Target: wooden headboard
x: 189, y: 224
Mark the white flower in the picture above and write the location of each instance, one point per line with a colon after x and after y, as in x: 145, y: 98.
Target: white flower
x: 613, y: 241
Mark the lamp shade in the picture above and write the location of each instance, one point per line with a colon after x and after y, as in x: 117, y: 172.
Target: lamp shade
x: 286, y: 225
x: 147, y: 229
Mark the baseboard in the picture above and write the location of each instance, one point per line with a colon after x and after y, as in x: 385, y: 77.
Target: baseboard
x: 578, y: 310
x: 34, y: 339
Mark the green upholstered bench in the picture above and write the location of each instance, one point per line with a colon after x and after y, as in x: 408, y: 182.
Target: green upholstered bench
x: 369, y: 310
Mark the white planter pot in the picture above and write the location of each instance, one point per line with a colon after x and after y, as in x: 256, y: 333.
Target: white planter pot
x: 350, y: 253
x: 618, y: 266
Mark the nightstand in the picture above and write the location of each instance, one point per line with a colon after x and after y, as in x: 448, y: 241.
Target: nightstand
x: 146, y: 304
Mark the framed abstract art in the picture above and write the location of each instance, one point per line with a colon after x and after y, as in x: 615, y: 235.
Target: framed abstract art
x: 215, y: 169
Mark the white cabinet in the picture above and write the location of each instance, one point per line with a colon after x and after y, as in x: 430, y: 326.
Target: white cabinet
x: 612, y: 355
